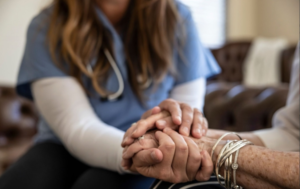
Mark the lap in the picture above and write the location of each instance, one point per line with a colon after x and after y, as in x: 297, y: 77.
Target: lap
x: 96, y: 178
x: 45, y: 165
x: 49, y: 165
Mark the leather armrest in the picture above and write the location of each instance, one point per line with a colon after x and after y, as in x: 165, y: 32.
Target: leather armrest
x: 241, y: 108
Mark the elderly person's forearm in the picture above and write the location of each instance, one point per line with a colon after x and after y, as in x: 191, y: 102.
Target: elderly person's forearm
x: 259, y: 167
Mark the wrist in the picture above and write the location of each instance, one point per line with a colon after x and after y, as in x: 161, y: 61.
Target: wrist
x: 207, y: 143
x: 218, y: 149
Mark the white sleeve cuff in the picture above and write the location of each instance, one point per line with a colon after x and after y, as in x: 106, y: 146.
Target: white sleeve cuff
x: 278, y: 139
x: 191, y: 93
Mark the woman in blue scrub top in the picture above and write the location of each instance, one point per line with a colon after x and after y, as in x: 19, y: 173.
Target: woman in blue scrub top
x: 93, y: 68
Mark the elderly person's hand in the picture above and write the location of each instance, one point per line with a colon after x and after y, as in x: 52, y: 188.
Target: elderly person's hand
x: 171, y: 157
x: 183, y: 118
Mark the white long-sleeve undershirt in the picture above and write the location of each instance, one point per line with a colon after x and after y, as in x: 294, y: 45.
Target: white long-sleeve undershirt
x: 64, y: 105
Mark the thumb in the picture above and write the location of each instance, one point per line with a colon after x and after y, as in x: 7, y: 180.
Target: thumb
x: 148, y: 157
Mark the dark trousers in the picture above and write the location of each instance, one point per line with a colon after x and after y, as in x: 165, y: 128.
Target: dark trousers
x: 49, y: 166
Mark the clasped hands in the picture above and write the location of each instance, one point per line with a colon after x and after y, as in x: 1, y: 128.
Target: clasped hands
x: 173, y: 147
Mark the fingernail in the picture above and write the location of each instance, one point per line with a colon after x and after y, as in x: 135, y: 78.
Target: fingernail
x: 161, y: 122
x: 134, y: 132
x: 186, y: 131
x: 198, y: 131
x: 201, y: 119
x: 178, y: 118
x: 126, y: 141
x: 203, y: 131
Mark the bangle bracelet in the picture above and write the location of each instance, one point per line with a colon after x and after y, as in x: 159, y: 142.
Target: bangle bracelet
x: 218, y: 141
x: 235, y: 149
x: 217, y: 165
x: 235, y: 166
x: 226, y: 157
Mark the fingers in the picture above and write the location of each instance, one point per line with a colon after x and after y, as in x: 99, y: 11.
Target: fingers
x: 180, y: 157
x: 206, y: 167
x: 166, y: 122
x: 149, y: 141
x: 187, y: 119
x: 205, y: 123
x: 167, y: 147
x: 141, y: 127
x: 145, y: 125
x: 194, y: 159
x: 126, y: 138
x: 199, y: 128
x: 165, y: 152
x: 148, y: 157
x: 150, y: 112
x: 173, y: 107
x: 138, y: 146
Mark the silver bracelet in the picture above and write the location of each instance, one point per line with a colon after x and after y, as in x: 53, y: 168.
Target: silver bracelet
x: 234, y: 167
x: 225, y: 157
x: 218, y: 141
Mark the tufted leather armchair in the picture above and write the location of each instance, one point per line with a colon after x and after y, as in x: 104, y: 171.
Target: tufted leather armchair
x: 230, y: 58
x: 18, y: 120
x: 234, y: 107
x: 229, y: 105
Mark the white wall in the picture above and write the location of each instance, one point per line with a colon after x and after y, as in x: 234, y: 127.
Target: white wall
x: 241, y: 19
x: 248, y: 19
x: 15, y: 16
x: 278, y: 18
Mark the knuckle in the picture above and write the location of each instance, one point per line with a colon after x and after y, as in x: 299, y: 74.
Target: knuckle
x: 197, y: 111
x: 141, y: 122
x: 173, y: 103
x: 195, y: 158
x: 187, y: 107
x: 169, y: 100
x: 182, y: 148
x: 169, y: 146
x: 188, y: 119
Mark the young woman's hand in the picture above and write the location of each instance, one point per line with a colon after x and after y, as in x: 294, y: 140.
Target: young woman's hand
x: 176, y: 159
x: 148, y: 141
x: 182, y: 118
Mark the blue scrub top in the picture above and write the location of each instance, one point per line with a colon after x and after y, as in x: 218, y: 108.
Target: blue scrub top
x: 37, y: 64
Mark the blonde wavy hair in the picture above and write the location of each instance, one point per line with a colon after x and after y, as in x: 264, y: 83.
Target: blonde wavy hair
x: 76, y: 36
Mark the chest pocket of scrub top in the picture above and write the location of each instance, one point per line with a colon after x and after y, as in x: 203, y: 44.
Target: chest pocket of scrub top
x: 156, y: 94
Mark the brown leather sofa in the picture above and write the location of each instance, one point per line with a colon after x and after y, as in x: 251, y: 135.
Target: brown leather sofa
x: 229, y: 105
x: 18, y: 120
